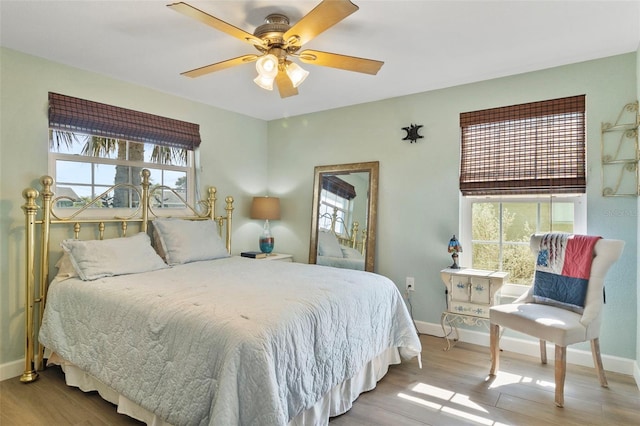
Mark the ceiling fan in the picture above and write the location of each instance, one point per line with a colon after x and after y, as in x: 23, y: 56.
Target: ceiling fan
x: 277, y: 41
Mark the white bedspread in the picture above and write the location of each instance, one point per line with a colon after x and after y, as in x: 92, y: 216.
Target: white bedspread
x: 341, y: 262
x: 230, y: 341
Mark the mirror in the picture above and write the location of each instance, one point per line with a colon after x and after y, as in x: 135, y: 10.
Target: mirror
x: 343, y: 216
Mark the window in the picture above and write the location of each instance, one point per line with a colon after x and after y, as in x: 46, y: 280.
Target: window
x: 330, y: 203
x: 528, y: 163
x: 499, y: 229
x: 94, y: 146
x: 85, y: 166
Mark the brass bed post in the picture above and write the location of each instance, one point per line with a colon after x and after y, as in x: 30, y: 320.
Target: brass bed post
x: 211, y: 201
x: 47, y: 195
x: 229, y: 209
x: 211, y: 205
x: 211, y: 212
x: 334, y: 219
x: 30, y: 209
x: 354, y: 234
x: 145, y: 199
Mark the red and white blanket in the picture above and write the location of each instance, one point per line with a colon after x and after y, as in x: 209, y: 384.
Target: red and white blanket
x: 562, y: 270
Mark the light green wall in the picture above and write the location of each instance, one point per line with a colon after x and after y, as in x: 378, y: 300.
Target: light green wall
x: 418, y: 197
x: 233, y: 153
x: 637, y: 366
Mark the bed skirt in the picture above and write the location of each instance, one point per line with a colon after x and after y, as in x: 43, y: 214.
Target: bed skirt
x: 335, y: 402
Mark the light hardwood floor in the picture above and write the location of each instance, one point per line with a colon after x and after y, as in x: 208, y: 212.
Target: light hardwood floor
x: 451, y: 389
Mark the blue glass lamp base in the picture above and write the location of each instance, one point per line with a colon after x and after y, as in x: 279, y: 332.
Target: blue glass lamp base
x: 266, y: 244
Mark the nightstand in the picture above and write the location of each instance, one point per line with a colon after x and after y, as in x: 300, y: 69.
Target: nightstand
x: 282, y: 257
x: 470, y: 294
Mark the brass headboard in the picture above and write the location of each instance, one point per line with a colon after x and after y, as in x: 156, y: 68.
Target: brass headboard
x: 37, y: 249
x: 346, y: 238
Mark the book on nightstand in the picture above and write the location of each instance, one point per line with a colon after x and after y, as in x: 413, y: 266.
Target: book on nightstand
x: 254, y: 254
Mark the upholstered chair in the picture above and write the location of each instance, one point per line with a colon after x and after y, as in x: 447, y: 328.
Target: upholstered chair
x: 556, y: 324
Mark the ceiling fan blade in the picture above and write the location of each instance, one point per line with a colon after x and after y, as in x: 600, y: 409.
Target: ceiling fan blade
x: 323, y: 16
x: 285, y: 86
x: 216, y: 23
x: 344, y: 62
x: 220, y: 66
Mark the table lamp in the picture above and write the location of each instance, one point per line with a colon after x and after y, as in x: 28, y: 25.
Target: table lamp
x: 266, y: 208
x: 454, y: 248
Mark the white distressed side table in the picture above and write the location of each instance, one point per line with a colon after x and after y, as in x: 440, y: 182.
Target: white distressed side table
x: 470, y: 294
x: 282, y: 257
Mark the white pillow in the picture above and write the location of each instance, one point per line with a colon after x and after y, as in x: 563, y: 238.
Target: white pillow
x: 351, y: 253
x: 65, y: 267
x: 184, y: 241
x: 95, y: 259
x: 328, y: 244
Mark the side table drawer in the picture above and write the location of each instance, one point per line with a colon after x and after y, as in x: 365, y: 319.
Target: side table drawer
x: 469, y: 309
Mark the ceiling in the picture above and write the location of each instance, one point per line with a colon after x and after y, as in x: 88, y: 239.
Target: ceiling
x: 425, y: 45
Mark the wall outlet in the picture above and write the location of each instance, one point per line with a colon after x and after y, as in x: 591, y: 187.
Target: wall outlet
x: 410, y: 284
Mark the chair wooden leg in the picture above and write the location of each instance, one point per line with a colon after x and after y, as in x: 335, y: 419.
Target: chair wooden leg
x: 561, y: 371
x: 597, y: 361
x: 494, y: 341
x: 543, y: 351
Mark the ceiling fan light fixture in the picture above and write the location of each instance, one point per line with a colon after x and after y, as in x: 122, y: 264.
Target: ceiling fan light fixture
x: 267, y: 66
x: 264, y: 82
x: 277, y: 40
x: 296, y: 73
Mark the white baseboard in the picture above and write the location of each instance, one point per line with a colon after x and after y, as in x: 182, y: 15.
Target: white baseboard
x: 11, y: 369
x: 532, y: 348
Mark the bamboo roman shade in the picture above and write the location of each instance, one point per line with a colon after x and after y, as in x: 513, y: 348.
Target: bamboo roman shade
x: 71, y: 114
x: 339, y: 187
x: 534, y: 148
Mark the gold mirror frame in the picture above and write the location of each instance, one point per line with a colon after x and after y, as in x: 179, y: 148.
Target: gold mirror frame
x: 372, y: 168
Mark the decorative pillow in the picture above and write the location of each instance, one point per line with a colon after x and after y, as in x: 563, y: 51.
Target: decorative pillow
x: 156, y: 243
x: 328, y: 245
x: 351, y: 253
x: 183, y: 241
x: 116, y: 256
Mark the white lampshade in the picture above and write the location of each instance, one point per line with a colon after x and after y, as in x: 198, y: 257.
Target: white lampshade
x: 296, y: 73
x: 264, y: 82
x: 267, y: 66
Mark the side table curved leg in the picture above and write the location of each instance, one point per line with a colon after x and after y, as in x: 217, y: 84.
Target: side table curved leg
x: 444, y: 319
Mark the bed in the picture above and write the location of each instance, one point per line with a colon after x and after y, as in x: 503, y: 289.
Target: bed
x: 175, y: 330
x: 340, y: 250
